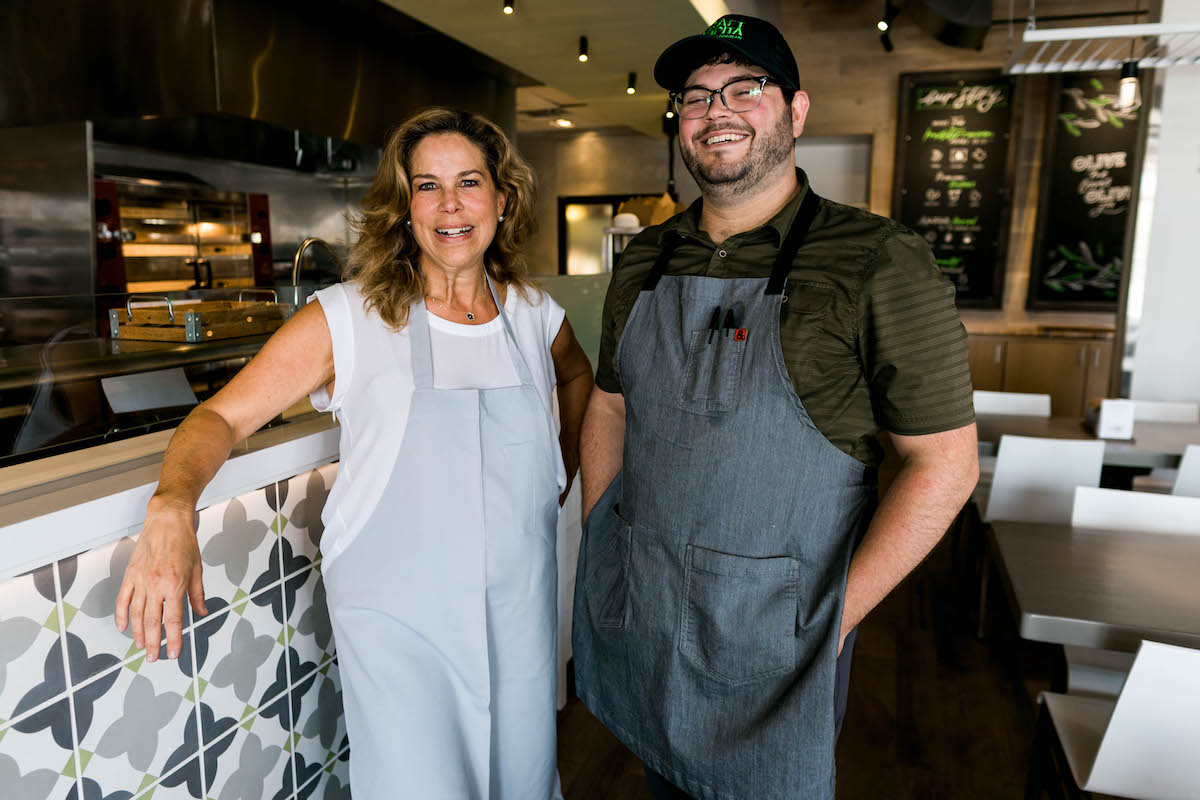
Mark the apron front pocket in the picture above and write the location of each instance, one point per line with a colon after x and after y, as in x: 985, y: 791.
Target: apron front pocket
x: 738, y: 623
x: 712, y: 376
x: 606, y: 561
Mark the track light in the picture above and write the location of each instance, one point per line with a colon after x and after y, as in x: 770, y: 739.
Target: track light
x: 583, y: 48
x: 508, y: 7
x: 563, y: 122
x: 890, y: 10
x: 631, y: 87
x: 1129, y: 95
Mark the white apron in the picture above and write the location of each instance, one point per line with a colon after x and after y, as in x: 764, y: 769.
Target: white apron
x: 443, y: 605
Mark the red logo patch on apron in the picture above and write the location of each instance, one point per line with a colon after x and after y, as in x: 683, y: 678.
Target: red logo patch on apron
x: 740, y: 335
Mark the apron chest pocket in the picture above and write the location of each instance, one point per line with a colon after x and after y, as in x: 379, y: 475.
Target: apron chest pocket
x: 738, y: 623
x: 713, y: 374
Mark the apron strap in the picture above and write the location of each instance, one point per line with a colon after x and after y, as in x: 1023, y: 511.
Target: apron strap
x: 670, y: 242
x: 805, y: 215
x: 807, y: 212
x: 422, y: 352
x: 518, y: 358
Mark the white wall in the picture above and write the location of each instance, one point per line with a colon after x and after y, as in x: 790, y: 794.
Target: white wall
x: 1166, y: 362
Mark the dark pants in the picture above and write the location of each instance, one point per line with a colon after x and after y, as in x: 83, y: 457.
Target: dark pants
x: 662, y: 789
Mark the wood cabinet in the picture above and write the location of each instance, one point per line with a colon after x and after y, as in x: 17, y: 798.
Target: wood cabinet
x: 986, y: 356
x: 1074, y: 372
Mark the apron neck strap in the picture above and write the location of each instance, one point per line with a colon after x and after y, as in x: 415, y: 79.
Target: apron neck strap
x: 422, y: 352
x: 805, y: 215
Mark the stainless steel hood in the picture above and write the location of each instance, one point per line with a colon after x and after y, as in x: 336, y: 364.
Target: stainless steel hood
x: 204, y: 71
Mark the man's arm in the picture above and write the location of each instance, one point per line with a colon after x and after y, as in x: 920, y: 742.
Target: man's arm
x: 601, y: 442
x: 937, y: 474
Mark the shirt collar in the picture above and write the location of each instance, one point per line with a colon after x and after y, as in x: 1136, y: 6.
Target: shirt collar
x: 688, y: 223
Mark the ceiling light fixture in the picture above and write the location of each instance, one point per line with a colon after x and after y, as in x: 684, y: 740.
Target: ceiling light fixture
x: 563, y: 122
x: 890, y: 10
x: 1129, y: 91
x: 508, y: 7
x: 631, y: 87
x: 583, y: 48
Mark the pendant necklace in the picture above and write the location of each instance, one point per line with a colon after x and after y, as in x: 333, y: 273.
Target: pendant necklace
x: 470, y: 314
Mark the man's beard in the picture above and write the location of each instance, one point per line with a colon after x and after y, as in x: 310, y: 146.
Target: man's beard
x: 731, y: 178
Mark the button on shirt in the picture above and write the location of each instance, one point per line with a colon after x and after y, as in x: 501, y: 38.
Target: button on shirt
x: 870, y: 334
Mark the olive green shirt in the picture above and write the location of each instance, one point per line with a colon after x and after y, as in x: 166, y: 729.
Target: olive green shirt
x: 869, y: 331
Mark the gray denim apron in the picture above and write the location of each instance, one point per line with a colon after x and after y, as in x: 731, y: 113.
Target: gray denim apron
x: 712, y: 570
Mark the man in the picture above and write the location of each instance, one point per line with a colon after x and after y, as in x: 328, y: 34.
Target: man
x: 752, y: 348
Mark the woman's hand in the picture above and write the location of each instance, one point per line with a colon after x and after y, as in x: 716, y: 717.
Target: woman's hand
x: 165, y: 566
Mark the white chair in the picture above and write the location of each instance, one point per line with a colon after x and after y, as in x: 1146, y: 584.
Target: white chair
x: 1144, y: 744
x: 1035, y: 478
x: 1115, y: 509
x: 1012, y: 404
x: 1035, y: 481
x: 1187, y: 483
x: 1101, y: 673
x: 1152, y: 411
x: 1162, y: 479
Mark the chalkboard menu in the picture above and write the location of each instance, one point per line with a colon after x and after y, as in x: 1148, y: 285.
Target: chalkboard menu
x: 1087, y: 195
x: 953, y: 173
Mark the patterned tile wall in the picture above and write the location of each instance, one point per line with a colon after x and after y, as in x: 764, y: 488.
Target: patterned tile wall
x: 251, y: 709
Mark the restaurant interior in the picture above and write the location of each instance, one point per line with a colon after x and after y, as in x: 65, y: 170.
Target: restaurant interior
x: 176, y: 178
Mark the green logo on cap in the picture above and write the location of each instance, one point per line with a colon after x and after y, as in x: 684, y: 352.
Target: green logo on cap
x: 725, y: 29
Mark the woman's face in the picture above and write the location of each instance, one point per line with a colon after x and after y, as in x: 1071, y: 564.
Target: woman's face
x: 455, y: 205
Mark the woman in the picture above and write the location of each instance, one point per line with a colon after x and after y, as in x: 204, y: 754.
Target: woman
x: 439, y: 358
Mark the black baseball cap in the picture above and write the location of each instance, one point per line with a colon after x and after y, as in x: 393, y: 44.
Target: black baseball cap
x: 756, y: 40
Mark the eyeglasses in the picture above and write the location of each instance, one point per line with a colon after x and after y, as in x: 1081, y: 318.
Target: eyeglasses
x: 738, y: 96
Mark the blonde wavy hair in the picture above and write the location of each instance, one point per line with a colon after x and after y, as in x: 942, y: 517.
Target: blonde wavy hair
x: 385, y: 260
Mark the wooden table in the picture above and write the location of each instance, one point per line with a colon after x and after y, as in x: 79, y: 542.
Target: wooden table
x: 1154, y: 444
x: 1104, y: 589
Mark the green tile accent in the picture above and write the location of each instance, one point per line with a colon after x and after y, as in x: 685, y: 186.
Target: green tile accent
x: 189, y: 695
x: 295, y: 739
x: 148, y: 794
x: 280, y: 639
x: 51, y: 622
x: 69, y: 612
x: 2, y: 733
x: 84, y: 758
x: 203, y: 686
x: 133, y: 648
x: 287, y: 746
x: 325, y: 669
x: 248, y: 724
x: 69, y: 769
x: 291, y: 632
x: 329, y: 767
x: 239, y: 595
x: 134, y: 666
x: 283, y: 522
x: 249, y: 710
x: 275, y: 526
x: 241, y: 610
x: 147, y: 779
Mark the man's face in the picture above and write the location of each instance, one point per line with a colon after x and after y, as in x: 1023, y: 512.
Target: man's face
x: 762, y: 139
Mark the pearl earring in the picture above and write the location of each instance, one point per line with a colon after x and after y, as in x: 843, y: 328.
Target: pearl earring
x: 408, y: 222
x: 501, y: 218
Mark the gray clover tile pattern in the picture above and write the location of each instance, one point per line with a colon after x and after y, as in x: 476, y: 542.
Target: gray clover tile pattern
x: 304, y: 501
x: 255, y: 765
x: 242, y: 657
x: 33, y: 766
x: 237, y: 541
x: 32, y: 621
x: 250, y: 709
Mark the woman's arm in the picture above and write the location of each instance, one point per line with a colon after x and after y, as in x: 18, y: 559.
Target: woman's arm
x: 165, y: 565
x: 573, y: 373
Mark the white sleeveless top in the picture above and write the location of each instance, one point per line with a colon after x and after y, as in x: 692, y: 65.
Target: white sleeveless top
x: 373, y: 388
